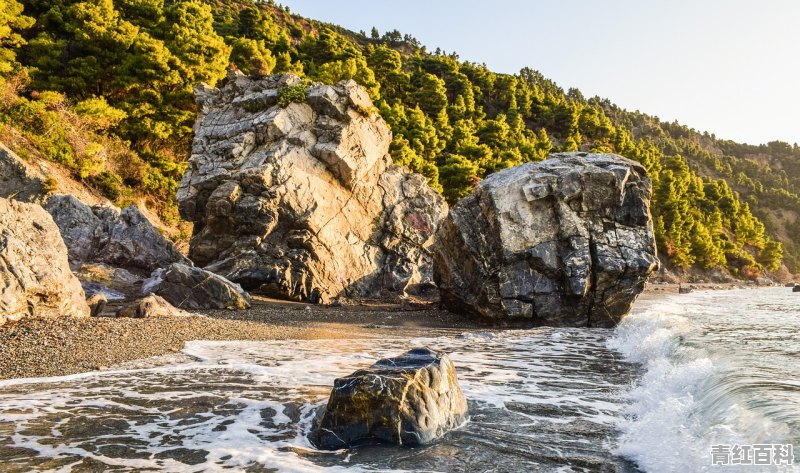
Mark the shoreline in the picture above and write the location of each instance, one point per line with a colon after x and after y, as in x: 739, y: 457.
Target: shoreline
x: 35, y: 348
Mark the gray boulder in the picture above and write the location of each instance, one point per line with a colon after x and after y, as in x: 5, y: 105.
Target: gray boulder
x: 35, y: 278
x: 106, y: 234
x: 409, y: 400
x: 188, y: 287
x: 149, y: 307
x: 302, y: 202
x: 565, y: 242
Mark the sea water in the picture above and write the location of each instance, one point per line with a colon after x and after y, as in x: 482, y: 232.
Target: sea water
x: 679, y: 375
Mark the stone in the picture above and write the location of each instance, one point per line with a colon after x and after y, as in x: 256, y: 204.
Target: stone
x: 35, y: 277
x: 94, y: 288
x: 97, y: 303
x: 17, y: 179
x: 302, y: 202
x: 193, y: 288
x: 122, y: 238
x: 567, y: 241
x: 685, y: 290
x: 118, y: 281
x: 796, y: 288
x: 151, y: 306
x: 409, y: 400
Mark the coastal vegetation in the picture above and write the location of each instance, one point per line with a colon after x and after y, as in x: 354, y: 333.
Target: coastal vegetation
x: 105, y: 89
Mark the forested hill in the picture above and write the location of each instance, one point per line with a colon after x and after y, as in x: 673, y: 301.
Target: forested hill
x: 105, y: 88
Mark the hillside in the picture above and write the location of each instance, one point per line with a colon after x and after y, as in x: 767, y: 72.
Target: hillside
x: 125, y: 70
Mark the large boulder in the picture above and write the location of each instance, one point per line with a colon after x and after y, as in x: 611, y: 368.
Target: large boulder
x: 302, y: 201
x: 106, y: 234
x: 566, y: 242
x: 408, y: 400
x: 188, y: 287
x: 35, y: 278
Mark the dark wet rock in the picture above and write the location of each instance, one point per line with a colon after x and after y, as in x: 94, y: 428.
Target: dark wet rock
x: 410, y: 400
x: 796, y: 288
x: 35, y: 277
x: 150, y: 306
x: 106, y: 234
x: 302, y: 202
x: 566, y: 242
x: 193, y: 288
x: 685, y: 289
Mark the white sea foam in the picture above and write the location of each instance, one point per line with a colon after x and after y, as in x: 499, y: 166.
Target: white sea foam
x: 687, y: 398
x: 241, y: 404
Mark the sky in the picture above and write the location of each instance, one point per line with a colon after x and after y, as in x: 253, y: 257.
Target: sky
x: 729, y: 67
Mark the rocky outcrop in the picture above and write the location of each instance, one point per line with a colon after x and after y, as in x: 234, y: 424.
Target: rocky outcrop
x: 187, y: 287
x: 33, y: 179
x: 567, y: 242
x: 302, y: 201
x: 408, y: 400
x: 16, y: 179
x: 107, y: 234
x: 35, y: 278
x: 149, y: 307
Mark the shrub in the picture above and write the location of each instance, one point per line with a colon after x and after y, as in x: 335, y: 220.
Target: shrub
x: 292, y: 94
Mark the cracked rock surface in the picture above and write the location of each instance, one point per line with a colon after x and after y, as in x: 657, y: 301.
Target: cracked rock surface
x: 409, y: 400
x: 302, y: 202
x: 122, y: 238
x: 35, y: 278
x: 187, y: 287
x: 563, y: 242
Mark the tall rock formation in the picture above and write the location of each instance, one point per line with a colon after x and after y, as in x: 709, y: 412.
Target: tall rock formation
x: 566, y: 242
x: 35, y: 279
x: 301, y: 200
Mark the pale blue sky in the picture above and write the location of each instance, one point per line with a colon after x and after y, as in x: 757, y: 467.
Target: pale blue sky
x: 731, y: 67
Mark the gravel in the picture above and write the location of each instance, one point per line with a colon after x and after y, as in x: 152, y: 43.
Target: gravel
x: 39, y: 347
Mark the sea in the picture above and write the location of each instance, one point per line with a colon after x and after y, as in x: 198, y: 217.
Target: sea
x: 701, y: 382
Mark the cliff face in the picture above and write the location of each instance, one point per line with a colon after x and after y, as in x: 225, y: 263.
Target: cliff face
x: 563, y: 242
x: 300, y: 200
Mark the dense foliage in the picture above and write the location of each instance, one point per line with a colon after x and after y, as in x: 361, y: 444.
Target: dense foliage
x: 126, y: 68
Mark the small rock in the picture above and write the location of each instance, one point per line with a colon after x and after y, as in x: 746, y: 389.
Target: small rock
x: 151, y: 306
x: 97, y: 303
x: 409, y: 400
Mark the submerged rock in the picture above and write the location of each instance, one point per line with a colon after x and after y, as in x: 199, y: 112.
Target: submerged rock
x: 106, y: 234
x: 194, y: 288
x: 302, y: 202
x: 35, y: 278
x: 408, y: 400
x: 567, y: 241
x: 151, y: 306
